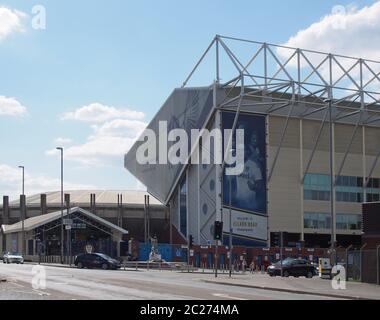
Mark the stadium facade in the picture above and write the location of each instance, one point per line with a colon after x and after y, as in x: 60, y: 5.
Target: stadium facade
x: 307, y: 116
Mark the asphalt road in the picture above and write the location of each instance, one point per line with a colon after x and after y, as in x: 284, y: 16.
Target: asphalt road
x: 84, y: 284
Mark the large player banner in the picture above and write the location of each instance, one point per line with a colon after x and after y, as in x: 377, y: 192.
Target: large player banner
x: 248, y: 190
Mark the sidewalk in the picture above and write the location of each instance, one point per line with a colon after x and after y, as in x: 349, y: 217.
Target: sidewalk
x: 316, y: 286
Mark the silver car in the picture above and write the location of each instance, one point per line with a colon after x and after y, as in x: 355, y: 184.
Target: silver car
x: 13, y: 258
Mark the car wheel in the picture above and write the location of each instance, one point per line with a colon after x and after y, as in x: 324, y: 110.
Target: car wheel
x: 104, y: 266
x: 309, y: 275
x: 286, y: 274
x: 80, y: 265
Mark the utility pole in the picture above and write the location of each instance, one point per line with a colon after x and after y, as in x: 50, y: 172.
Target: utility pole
x: 62, y: 234
x: 68, y: 228
x: 230, y: 238
x: 22, y: 210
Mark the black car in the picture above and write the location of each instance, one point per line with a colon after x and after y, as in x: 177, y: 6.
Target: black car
x: 292, y: 267
x: 96, y: 261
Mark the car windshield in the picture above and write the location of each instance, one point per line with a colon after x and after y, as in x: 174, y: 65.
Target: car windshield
x: 285, y: 262
x: 104, y: 256
x: 15, y: 254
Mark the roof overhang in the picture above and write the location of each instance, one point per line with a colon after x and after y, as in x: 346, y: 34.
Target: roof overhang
x: 35, y: 222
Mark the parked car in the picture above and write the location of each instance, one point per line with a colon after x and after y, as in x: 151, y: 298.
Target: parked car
x: 96, y: 261
x: 13, y: 257
x: 292, y: 267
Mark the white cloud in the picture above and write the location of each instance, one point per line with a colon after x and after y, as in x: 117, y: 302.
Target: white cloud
x: 11, y: 107
x: 98, y: 113
x: 109, y: 141
x: 10, y: 21
x: 349, y: 31
x: 10, y: 183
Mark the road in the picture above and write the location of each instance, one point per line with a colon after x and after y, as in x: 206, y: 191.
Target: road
x: 84, y: 284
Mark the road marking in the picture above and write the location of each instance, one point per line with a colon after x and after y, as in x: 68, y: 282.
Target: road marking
x: 226, y: 296
x: 16, y: 284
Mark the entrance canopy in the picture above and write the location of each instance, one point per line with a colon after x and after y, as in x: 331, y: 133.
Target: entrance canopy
x: 36, y: 222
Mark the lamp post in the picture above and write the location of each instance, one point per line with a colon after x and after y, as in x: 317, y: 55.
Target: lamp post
x: 22, y: 211
x: 230, y: 238
x: 231, y: 152
x: 23, y: 179
x: 62, y: 234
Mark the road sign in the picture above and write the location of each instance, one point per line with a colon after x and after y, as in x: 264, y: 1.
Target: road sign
x: 68, y: 227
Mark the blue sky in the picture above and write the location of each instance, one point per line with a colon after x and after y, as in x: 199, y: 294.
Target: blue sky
x: 126, y: 56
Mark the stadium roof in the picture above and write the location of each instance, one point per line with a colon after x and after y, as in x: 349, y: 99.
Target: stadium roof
x: 35, y: 222
x: 82, y: 197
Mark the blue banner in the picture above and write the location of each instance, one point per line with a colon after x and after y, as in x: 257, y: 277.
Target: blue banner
x: 249, y: 189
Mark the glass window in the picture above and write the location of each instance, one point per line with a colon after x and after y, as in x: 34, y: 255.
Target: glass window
x: 314, y: 180
x: 348, y: 222
x: 349, y: 188
x: 317, y: 220
x: 353, y: 181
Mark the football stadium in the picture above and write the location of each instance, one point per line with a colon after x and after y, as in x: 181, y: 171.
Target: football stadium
x: 311, y: 147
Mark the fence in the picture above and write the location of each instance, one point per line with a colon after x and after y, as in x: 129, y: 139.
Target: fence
x: 204, y: 256
x: 362, y: 265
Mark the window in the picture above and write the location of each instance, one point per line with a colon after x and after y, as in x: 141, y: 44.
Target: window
x: 348, y: 222
x: 183, y: 207
x: 344, y: 222
x: 313, y: 220
x: 348, y: 188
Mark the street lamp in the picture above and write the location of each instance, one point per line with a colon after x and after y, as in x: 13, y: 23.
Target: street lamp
x: 230, y: 239
x: 230, y: 217
x: 62, y: 235
x: 23, y: 179
x: 22, y: 211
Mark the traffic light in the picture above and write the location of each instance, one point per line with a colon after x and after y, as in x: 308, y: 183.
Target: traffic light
x: 218, y: 230
x: 191, y: 240
x: 279, y: 239
x: 276, y: 239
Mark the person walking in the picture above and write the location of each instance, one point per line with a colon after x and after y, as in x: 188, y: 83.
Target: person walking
x: 252, y: 267
x: 244, y: 265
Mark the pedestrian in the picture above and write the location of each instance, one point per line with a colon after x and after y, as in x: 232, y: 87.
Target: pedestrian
x: 244, y: 265
x: 252, y: 266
